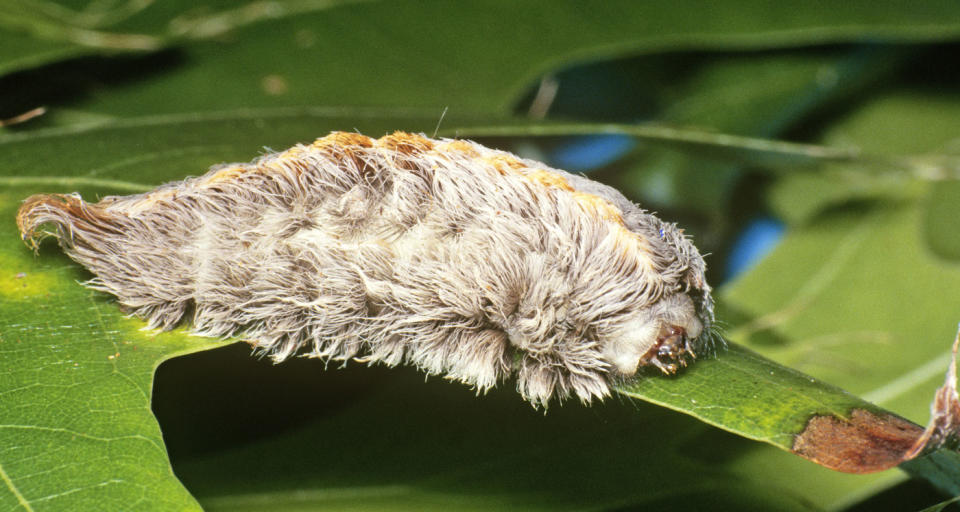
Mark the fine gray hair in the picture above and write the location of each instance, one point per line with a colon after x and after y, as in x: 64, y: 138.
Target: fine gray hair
x: 444, y: 254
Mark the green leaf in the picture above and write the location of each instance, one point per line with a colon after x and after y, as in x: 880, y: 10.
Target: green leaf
x: 865, y: 293
x: 838, y: 310
x: 759, y: 399
x: 429, y: 55
x: 148, y: 151
x: 76, y: 376
x: 862, y: 263
x: 785, y: 88
x: 941, y: 220
x: 761, y: 152
x: 878, y: 128
x: 23, y: 52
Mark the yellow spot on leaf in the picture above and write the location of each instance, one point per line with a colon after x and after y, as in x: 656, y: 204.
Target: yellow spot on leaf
x: 19, y: 279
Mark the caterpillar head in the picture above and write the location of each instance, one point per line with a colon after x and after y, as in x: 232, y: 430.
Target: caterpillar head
x: 673, y: 329
x: 663, y: 335
x: 638, y: 297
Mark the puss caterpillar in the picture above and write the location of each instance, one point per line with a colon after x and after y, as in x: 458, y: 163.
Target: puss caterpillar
x: 459, y: 259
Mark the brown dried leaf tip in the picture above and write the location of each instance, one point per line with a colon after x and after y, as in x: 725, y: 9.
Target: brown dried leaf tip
x: 444, y: 254
x: 868, y: 442
x: 864, y: 443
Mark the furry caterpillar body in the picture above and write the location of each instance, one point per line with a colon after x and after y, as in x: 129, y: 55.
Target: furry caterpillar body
x: 444, y: 254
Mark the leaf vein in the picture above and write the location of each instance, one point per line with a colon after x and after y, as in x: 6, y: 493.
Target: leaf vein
x: 91, y: 437
x: 21, y: 500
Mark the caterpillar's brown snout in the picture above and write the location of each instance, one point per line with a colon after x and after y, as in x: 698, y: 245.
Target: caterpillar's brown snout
x: 671, y: 349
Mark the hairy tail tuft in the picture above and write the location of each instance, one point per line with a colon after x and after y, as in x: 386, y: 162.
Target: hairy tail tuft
x: 67, y: 212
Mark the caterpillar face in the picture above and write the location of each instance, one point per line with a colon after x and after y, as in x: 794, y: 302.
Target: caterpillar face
x: 458, y: 259
x: 662, y: 337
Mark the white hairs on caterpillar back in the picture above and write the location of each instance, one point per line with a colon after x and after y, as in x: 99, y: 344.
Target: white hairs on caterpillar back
x: 444, y: 254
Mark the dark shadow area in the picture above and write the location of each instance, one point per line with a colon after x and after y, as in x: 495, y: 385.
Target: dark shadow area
x: 619, y: 90
x: 644, y: 87
x: 71, y: 81
x: 225, y: 397
x: 910, y: 495
x: 238, y: 426
x: 914, y: 67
